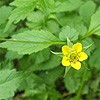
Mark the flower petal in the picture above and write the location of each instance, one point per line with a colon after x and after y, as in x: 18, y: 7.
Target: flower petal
x: 65, y: 49
x: 77, y: 47
x: 83, y: 56
x: 65, y: 61
x: 76, y: 65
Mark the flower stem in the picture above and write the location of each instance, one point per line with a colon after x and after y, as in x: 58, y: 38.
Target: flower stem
x: 78, y: 95
x: 85, y: 36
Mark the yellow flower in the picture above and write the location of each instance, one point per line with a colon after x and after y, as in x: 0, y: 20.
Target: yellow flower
x: 73, y: 56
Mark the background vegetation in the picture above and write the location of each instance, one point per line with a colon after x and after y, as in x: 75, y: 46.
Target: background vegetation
x: 29, y: 30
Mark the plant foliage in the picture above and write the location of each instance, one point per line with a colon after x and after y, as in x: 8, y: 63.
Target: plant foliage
x: 32, y: 33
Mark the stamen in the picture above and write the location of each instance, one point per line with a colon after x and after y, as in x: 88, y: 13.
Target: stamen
x: 73, y: 56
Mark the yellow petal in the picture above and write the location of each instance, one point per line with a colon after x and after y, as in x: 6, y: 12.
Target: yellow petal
x: 65, y: 49
x: 83, y: 56
x: 77, y: 47
x: 76, y: 65
x: 65, y: 61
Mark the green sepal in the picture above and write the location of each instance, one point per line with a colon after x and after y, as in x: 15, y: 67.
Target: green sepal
x: 87, y: 47
x: 57, y: 53
x: 69, y: 43
x: 66, y: 70
x: 85, y: 65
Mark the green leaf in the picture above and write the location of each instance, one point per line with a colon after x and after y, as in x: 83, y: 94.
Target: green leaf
x: 9, y: 82
x: 86, y: 43
x: 40, y: 91
x: 40, y: 56
x: 81, y: 29
x: 86, y: 11
x: 53, y: 27
x: 74, y: 21
x: 94, y: 60
x: 45, y: 5
x: 11, y: 55
x: 8, y: 32
x: 4, y: 14
x: 95, y: 84
x: 51, y: 63
x: 94, y: 27
x: 71, y: 33
x: 71, y: 19
x: 50, y: 76
x: 72, y: 80
x: 35, y: 20
x: 68, y: 5
x: 35, y: 86
x: 53, y: 94
x: 22, y: 10
x: 30, y: 41
x: 31, y: 92
x: 31, y: 81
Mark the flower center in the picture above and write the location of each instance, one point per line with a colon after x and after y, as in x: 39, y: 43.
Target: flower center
x: 73, y: 56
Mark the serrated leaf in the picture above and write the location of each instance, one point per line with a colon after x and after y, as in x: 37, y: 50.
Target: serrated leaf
x: 71, y: 19
x: 53, y: 27
x: 94, y: 27
x: 82, y: 29
x: 50, y: 76
x: 11, y: 55
x: 38, y: 89
x: 40, y: 56
x: 72, y: 84
x: 31, y: 80
x: 9, y: 82
x: 72, y: 80
x: 35, y: 20
x: 36, y: 16
x: 45, y: 5
x: 30, y: 41
x: 51, y: 63
x: 22, y: 10
x: 4, y: 14
x: 86, y: 10
x: 71, y: 33
x: 53, y: 93
x: 95, y: 84
x: 31, y: 92
x: 68, y: 5
x: 74, y: 21
x: 94, y: 60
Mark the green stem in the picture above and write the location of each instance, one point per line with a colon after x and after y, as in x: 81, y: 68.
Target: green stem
x: 24, y: 41
x: 90, y: 32
x: 78, y: 95
x: 85, y: 36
